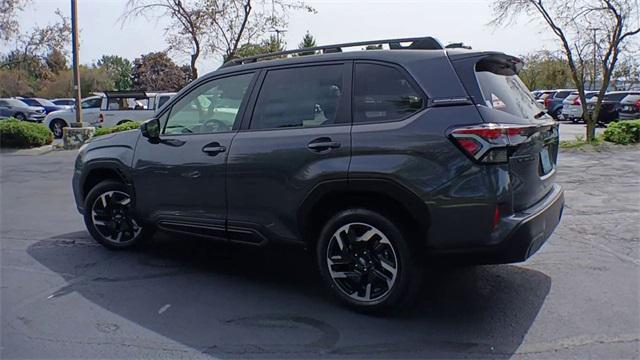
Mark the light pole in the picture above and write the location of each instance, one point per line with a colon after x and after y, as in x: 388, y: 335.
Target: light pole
x: 76, y: 65
x: 595, y: 62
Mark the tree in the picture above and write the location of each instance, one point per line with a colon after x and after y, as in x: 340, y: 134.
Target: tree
x: 206, y: 27
x: 273, y: 44
x: 627, y: 74
x: 545, y: 70
x: 118, y: 69
x: 157, y: 72
x: 308, y: 41
x: 615, y: 21
x: 56, y: 61
x: 14, y: 83
x: 9, y: 25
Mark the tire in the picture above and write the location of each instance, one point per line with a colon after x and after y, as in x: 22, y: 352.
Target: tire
x: 556, y: 114
x: 20, y: 116
x: 362, y: 276
x: 109, y: 219
x: 56, y: 126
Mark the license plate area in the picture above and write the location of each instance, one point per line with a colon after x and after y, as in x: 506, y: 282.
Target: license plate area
x: 546, y: 164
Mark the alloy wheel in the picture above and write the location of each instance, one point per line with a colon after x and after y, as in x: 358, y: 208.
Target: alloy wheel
x: 111, y: 217
x: 57, y: 128
x: 362, y: 262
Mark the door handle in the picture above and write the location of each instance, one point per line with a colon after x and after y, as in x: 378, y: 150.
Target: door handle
x: 214, y: 148
x: 322, y: 144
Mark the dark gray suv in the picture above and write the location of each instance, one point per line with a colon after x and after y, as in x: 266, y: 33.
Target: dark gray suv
x: 378, y: 161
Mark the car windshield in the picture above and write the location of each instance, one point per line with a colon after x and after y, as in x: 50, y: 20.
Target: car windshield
x: 46, y: 102
x: 507, y: 93
x: 16, y: 102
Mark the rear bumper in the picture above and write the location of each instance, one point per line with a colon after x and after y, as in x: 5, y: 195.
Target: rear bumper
x: 629, y: 116
x: 528, y: 231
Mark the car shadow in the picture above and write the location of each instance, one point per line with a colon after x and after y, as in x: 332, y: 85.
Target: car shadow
x: 234, y: 301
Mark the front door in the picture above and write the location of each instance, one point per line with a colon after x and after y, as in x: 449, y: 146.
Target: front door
x: 180, y: 180
x: 298, y: 137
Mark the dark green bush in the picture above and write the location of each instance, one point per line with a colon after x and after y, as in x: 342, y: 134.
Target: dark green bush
x: 623, y: 132
x: 131, y: 125
x: 23, y: 134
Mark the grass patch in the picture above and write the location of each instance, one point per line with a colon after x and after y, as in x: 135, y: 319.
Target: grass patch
x: 580, y: 141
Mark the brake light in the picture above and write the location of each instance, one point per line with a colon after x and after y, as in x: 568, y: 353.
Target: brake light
x: 638, y: 104
x: 576, y: 101
x: 547, y: 101
x: 496, y: 217
x: 489, y: 143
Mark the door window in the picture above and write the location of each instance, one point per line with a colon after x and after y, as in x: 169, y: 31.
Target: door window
x: 299, y: 97
x: 383, y: 93
x: 91, y: 103
x: 210, y: 108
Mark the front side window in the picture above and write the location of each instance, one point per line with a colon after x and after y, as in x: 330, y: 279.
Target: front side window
x: 91, y: 103
x: 299, y: 97
x: 210, y: 108
x: 383, y: 93
x: 123, y: 103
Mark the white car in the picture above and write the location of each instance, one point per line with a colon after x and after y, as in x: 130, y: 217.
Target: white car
x: 571, y: 107
x: 124, y: 106
x: 58, y: 120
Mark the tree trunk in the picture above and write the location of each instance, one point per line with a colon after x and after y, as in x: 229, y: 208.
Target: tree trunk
x: 194, y: 71
x: 591, y: 130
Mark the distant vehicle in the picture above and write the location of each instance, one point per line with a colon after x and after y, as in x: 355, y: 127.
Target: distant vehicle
x: 610, y: 105
x: 58, y: 120
x: 553, y: 103
x: 543, y: 94
x: 630, y: 108
x: 21, y: 111
x: 65, y: 102
x: 124, y: 106
x: 572, y: 108
x: 46, y: 104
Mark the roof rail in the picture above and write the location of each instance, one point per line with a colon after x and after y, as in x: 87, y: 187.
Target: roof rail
x: 417, y: 43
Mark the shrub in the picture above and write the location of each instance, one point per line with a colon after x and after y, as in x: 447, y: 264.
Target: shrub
x: 623, y: 132
x: 23, y: 134
x: 131, y: 125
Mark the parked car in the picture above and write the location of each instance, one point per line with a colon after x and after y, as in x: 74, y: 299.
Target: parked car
x: 611, y: 104
x: 343, y: 153
x: 542, y: 95
x: 21, y: 111
x: 123, y: 106
x: 46, y: 104
x: 572, y: 107
x: 58, y: 120
x: 70, y: 102
x: 630, y: 107
x: 553, y: 102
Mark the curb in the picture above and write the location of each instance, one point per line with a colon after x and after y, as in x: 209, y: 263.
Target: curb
x: 28, y: 152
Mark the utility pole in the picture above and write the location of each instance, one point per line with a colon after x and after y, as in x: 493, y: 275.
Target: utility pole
x: 76, y: 65
x: 278, y: 32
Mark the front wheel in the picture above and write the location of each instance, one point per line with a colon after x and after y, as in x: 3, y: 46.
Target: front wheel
x: 20, y: 116
x: 109, y: 216
x: 56, y: 127
x: 365, y: 260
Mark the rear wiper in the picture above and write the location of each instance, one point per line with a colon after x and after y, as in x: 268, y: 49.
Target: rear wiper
x: 540, y: 114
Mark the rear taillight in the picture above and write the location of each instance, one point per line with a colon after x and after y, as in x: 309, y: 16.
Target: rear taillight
x: 489, y: 143
x: 576, y: 101
x: 638, y: 104
x: 547, y: 102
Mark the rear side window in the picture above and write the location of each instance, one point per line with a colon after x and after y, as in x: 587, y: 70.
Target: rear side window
x: 383, y: 93
x: 615, y: 97
x: 299, y: 97
x: 562, y: 94
x: 507, y: 93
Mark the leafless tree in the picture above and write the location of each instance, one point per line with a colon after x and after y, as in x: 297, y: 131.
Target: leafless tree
x: 9, y: 25
x: 206, y: 27
x: 573, y: 23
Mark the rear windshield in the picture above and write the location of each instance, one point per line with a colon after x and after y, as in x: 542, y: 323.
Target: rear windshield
x: 507, y: 93
x: 631, y: 99
x: 615, y: 97
x: 562, y: 94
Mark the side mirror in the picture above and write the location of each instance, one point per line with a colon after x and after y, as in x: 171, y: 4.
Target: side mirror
x: 151, y: 129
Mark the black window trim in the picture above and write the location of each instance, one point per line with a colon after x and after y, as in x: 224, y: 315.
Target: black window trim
x: 241, y: 110
x: 412, y: 81
x: 347, y: 68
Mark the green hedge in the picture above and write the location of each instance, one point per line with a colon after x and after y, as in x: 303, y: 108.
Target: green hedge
x: 623, y: 132
x: 131, y: 125
x: 23, y: 134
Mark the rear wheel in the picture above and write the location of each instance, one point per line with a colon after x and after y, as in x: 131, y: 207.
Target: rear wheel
x: 56, y: 126
x: 365, y: 260
x: 20, y: 116
x: 109, y: 216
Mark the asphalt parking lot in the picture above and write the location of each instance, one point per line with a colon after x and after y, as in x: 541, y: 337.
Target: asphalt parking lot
x: 63, y: 296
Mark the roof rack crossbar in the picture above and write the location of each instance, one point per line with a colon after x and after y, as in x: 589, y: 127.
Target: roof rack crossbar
x: 417, y: 43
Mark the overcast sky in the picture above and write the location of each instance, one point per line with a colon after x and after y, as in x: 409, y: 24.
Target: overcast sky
x: 335, y: 21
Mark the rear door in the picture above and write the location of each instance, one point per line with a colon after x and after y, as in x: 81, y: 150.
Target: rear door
x: 297, y: 137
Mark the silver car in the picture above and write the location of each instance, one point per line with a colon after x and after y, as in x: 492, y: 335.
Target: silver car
x: 571, y: 106
x: 21, y: 111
